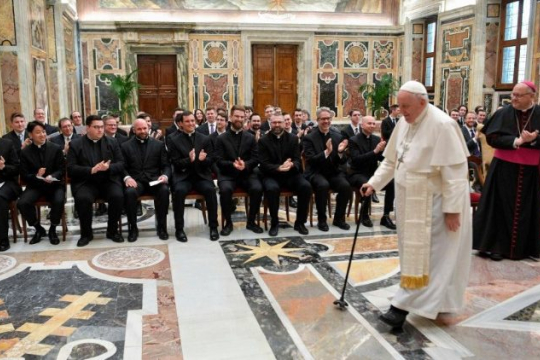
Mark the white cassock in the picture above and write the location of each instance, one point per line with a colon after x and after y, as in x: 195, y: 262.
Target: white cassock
x: 428, y: 161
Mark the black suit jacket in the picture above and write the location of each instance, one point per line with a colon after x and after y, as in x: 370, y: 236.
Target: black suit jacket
x: 179, y: 147
x: 155, y: 163
x: 9, y: 175
x: 53, y: 162
x: 274, y: 152
x: 469, y: 140
x: 226, y: 153
x: 60, y: 141
x: 49, y: 129
x: 387, y: 127
x: 171, y: 130
x: 348, y: 131
x: 295, y: 129
x: 316, y: 162
x: 79, y: 163
x: 205, y: 128
x: 120, y: 138
x: 363, y: 159
x: 14, y: 138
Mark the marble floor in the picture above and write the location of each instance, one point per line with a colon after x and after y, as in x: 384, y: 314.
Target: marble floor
x: 247, y: 297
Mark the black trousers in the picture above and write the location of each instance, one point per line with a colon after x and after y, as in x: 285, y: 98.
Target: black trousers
x: 298, y: 184
x: 160, y: 192
x: 357, y: 180
x: 86, y: 195
x: 54, y: 194
x: 6, y: 195
x: 254, y: 188
x: 203, y: 186
x: 339, y: 184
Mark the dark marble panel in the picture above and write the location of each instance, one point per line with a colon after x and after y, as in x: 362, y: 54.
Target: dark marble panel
x: 106, y: 99
x: 328, y: 54
x: 47, y: 298
x: 327, y: 90
x: 529, y: 313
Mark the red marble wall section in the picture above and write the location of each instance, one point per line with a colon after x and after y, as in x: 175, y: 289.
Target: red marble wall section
x: 454, y: 86
x: 490, y: 69
x: 10, y: 84
x: 352, y: 99
x: 417, y: 53
x: 216, y: 90
x: 86, y: 80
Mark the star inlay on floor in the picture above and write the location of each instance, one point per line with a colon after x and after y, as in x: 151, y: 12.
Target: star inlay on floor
x: 271, y: 251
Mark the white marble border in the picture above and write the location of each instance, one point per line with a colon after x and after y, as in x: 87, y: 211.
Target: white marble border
x: 494, y: 318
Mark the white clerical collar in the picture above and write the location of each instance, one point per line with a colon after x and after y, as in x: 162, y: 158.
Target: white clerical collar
x: 191, y: 133
x: 220, y: 132
x: 236, y: 131
x: 529, y: 108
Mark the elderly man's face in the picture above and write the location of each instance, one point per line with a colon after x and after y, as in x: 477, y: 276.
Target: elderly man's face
x: 411, y: 105
x: 324, y: 121
x: 522, y: 97
x: 77, y: 118
x: 39, y: 114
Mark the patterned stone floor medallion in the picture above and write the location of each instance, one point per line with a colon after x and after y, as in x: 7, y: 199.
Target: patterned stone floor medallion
x: 128, y: 258
x: 6, y: 263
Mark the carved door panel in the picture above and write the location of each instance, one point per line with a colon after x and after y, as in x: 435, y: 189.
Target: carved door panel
x: 274, y: 77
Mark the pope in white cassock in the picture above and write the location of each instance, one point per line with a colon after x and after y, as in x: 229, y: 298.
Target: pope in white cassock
x: 427, y: 157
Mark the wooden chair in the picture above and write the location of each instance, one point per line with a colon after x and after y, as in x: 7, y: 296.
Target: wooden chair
x: 41, y: 202
x: 479, y: 176
x: 14, y: 219
x: 238, y: 193
x: 194, y: 195
x: 356, y: 198
x: 283, y: 192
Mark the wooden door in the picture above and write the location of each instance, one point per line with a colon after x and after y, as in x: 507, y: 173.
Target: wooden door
x: 274, y: 77
x: 158, y: 93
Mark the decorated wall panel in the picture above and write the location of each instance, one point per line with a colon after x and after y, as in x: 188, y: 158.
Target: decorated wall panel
x: 535, y: 63
x: 341, y: 65
x: 455, y: 63
x: 7, y: 25
x: 101, y: 54
x: 37, y: 24
x: 10, y: 83
x: 490, y: 70
x: 417, y: 52
x: 215, y: 77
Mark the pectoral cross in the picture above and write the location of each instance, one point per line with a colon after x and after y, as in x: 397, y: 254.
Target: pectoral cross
x: 402, y: 156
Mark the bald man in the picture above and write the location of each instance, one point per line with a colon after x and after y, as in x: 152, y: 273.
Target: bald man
x: 427, y: 158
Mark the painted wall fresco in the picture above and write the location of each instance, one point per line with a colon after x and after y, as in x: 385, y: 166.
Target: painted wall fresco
x: 40, y: 84
x: 37, y: 24
x: 535, y: 73
x: 7, y: 25
x: 343, y: 64
x: 51, y: 34
x: 455, y: 64
x: 107, y: 54
x: 9, y: 73
x: 490, y: 69
x: 417, y: 58
x: 362, y: 6
x: 215, y: 77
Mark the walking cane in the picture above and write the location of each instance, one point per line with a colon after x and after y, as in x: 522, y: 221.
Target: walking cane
x: 341, y: 303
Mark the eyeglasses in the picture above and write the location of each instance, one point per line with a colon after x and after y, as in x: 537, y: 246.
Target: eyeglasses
x: 519, y: 96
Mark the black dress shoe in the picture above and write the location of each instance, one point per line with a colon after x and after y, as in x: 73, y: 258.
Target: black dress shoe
x: 198, y: 205
x: 83, y: 241
x: 322, y: 225
x: 101, y: 210
x: 496, y: 257
x: 366, y: 221
x: 254, y: 227
x: 293, y: 203
x: 116, y: 237
x: 163, y: 234
x: 53, y: 237
x: 181, y: 235
x: 394, y: 317
x: 40, y: 232
x: 387, y: 222
x: 214, y: 235
x: 341, y: 224
x: 133, y: 234
x: 274, y: 229
x: 482, y: 254
x: 301, y: 228
x: 4, y: 246
x: 227, y: 229
x: 374, y: 198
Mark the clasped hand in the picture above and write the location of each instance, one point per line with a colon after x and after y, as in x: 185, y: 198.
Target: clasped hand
x: 101, y: 166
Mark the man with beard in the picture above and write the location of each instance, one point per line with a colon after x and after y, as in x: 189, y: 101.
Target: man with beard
x: 42, y: 169
x: 325, y: 152
x: 281, y: 166
x: 190, y: 154
x: 255, y: 126
x: 236, y: 157
x: 145, y: 162
x: 95, y: 165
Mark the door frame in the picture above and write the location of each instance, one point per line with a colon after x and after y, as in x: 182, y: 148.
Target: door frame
x: 304, y: 80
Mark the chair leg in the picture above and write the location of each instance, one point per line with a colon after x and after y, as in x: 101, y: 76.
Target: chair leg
x: 311, y: 211
x: 287, y: 208
x: 329, y: 205
x: 349, y: 207
x: 14, y: 222
x: 24, y: 230
x: 64, y: 225
x: 203, y: 208
x: 265, y: 213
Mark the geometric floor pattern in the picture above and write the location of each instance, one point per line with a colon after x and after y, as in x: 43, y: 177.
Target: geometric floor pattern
x: 248, y: 296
